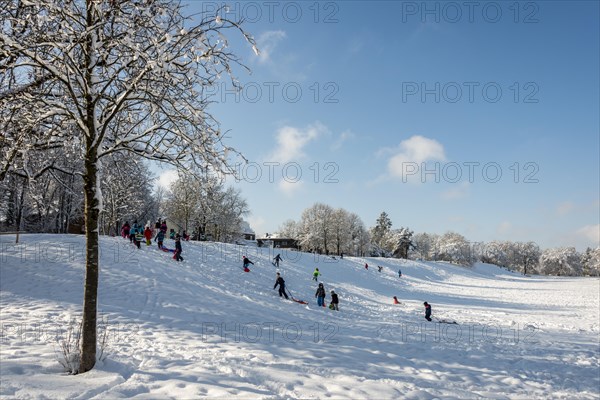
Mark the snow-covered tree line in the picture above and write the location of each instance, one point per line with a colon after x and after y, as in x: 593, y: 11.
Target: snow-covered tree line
x: 205, y: 207
x: 53, y: 202
x: 326, y: 230
x: 522, y: 257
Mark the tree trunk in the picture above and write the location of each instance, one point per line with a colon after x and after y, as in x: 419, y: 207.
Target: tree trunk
x: 20, y: 210
x: 91, y: 212
x: 90, y: 295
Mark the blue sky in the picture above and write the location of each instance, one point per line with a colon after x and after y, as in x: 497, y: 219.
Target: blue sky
x: 366, y: 92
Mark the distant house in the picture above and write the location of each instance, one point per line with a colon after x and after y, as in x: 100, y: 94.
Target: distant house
x: 247, y: 232
x: 249, y: 236
x: 280, y: 243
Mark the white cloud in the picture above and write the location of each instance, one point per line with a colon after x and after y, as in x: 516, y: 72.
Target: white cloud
x: 564, y: 208
x: 266, y: 43
x: 344, y: 137
x: 291, y: 142
x: 408, y: 156
x: 504, y: 227
x: 290, y: 188
x: 459, y: 192
x: 591, y: 233
x: 167, y: 177
x: 257, y: 223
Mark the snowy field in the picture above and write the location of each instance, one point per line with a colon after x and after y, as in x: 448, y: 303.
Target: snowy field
x: 205, y: 329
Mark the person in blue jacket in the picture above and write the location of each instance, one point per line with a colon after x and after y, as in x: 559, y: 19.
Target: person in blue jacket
x: 320, y: 295
x: 160, y: 238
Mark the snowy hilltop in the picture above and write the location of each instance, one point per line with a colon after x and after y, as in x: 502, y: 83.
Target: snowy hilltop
x: 204, y: 328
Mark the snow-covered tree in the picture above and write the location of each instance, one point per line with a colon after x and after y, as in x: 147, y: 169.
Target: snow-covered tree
x: 514, y: 256
x: 342, y: 235
x: 200, y: 202
x: 359, y: 236
x: 497, y: 253
x: 49, y: 203
x: 324, y: 229
x: 561, y: 261
x: 316, y: 232
x: 401, y: 242
x: 525, y: 257
x: 126, y: 184
x: 183, y: 201
x: 590, y: 261
x: 454, y: 248
x: 289, y: 229
x: 380, y: 231
x: 15, y: 208
x: 231, y: 208
x: 424, y: 246
x: 106, y: 76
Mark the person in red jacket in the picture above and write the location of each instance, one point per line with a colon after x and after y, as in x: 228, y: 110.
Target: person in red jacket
x: 396, y: 300
x: 125, y: 230
x: 148, y: 235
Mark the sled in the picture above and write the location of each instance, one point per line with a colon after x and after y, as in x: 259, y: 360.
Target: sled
x: 293, y: 298
x: 445, y: 321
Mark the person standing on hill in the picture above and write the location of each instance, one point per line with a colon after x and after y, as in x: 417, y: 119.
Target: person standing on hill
x: 178, y: 249
x: 134, y: 234
x: 334, y: 301
x: 160, y: 238
x: 366, y: 266
x: 277, y: 259
x: 427, y: 311
x: 316, y: 274
x: 399, y: 273
x: 125, y: 230
x: 148, y: 235
x: 320, y: 295
x: 281, y: 283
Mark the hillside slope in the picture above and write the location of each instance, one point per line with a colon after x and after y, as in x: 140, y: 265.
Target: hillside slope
x: 204, y: 328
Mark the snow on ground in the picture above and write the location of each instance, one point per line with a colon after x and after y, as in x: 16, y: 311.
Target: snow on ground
x: 205, y: 329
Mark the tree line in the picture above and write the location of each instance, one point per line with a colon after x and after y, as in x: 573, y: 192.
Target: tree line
x: 199, y: 204
x: 326, y: 230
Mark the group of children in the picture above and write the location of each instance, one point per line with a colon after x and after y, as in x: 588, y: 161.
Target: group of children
x: 279, y: 281
x: 136, y: 234
x: 320, y: 294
